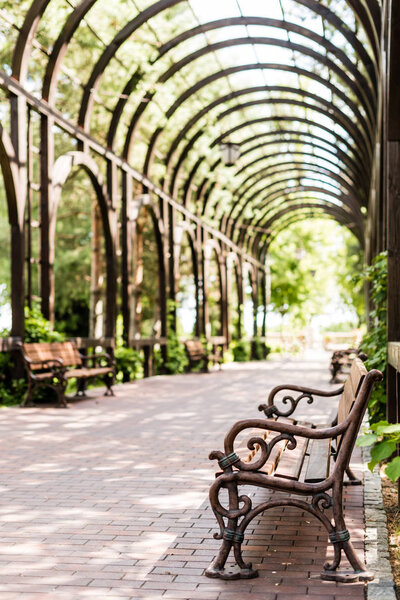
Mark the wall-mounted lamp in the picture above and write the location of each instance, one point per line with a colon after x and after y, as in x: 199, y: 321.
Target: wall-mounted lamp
x: 230, y: 153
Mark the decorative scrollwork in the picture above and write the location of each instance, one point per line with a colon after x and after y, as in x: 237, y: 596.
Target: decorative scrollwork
x: 264, y: 450
x: 273, y: 410
x: 321, y: 502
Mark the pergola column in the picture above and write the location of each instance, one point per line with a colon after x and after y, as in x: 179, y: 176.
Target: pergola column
x: 393, y: 201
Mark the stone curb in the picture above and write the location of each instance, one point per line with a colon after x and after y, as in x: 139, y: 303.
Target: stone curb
x: 376, y: 536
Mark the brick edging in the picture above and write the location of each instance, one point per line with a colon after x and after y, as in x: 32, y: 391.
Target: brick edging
x: 376, y: 536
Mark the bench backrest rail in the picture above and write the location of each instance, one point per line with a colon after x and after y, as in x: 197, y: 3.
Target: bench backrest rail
x: 39, y: 352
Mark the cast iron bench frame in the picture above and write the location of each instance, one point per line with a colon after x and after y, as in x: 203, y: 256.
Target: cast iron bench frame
x: 49, y: 365
x: 198, y: 354
x: 234, y: 520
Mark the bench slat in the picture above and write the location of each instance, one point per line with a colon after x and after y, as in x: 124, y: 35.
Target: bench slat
x: 291, y: 461
x: 318, y: 461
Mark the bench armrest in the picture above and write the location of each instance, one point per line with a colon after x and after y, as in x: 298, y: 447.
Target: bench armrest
x: 270, y: 409
x: 287, y: 431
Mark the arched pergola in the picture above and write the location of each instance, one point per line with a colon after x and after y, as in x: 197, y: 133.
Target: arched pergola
x: 300, y: 88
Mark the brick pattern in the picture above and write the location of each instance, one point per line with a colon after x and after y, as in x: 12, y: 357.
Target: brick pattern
x: 108, y: 499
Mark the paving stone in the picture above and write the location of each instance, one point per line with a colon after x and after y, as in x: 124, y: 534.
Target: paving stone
x: 109, y: 499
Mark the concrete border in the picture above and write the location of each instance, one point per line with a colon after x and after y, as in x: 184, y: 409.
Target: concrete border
x: 376, y: 535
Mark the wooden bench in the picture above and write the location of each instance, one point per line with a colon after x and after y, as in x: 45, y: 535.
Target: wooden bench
x: 292, y: 458
x: 198, y: 355
x: 53, y: 364
x: 341, y: 361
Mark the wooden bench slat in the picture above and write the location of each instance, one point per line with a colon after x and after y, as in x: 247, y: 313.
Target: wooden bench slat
x: 318, y: 461
x: 291, y: 461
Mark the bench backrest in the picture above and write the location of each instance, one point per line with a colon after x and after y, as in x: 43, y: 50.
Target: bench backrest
x: 353, y: 403
x: 194, y: 348
x: 66, y: 351
x: 351, y: 388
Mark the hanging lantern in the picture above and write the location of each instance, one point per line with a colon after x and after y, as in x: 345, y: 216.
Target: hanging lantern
x: 230, y: 153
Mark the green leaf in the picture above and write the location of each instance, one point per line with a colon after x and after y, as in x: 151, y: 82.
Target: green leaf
x: 383, y: 450
x: 393, y: 469
x: 371, y: 465
x: 385, y: 429
x: 375, y: 426
x: 367, y: 440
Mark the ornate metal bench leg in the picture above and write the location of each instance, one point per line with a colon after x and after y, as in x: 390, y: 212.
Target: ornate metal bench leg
x: 340, y: 538
x: 109, y: 381
x: 27, y: 402
x: 231, y: 536
x: 60, y: 390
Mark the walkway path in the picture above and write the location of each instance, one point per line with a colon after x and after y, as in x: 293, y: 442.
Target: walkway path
x: 109, y: 498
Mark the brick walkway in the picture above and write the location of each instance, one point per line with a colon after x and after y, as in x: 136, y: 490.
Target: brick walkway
x: 109, y: 498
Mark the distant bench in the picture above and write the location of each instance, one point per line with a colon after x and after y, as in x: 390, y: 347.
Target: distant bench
x: 199, y: 355
x: 53, y: 364
x: 341, y: 361
x: 291, y: 457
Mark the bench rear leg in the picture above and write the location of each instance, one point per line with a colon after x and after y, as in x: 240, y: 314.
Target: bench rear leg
x: 230, y: 537
x: 340, y: 538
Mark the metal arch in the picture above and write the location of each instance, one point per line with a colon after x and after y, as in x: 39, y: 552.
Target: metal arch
x: 297, y: 174
x: 270, y: 199
x: 294, y: 206
x: 265, y: 120
x: 366, y: 60
x: 93, y: 81
x: 61, y: 170
x: 298, y: 168
x: 280, y: 154
x: 359, y: 79
x: 276, y: 118
x: 310, y: 214
x: 210, y: 79
x: 307, y: 189
x: 244, y: 91
x: 225, y: 221
x: 300, y: 190
x: 256, y: 103
x: 337, y: 214
x: 204, y: 82
x: 109, y: 52
x: 9, y: 169
x: 23, y: 46
x: 314, y: 6
x: 343, y: 157
x: 60, y: 48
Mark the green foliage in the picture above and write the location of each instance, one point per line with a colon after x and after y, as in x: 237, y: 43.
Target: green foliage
x: 312, y: 267
x: 38, y: 329
x: 260, y: 349
x: 177, y: 360
x: 375, y: 341
x: 240, y: 350
x: 128, y: 364
x: 384, y: 439
x: 12, y: 390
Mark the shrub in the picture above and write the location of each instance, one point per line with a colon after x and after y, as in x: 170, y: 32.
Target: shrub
x: 240, y: 350
x: 375, y: 340
x: 128, y: 364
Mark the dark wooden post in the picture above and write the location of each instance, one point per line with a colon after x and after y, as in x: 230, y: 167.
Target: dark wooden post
x: 393, y: 198
x: 46, y: 252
